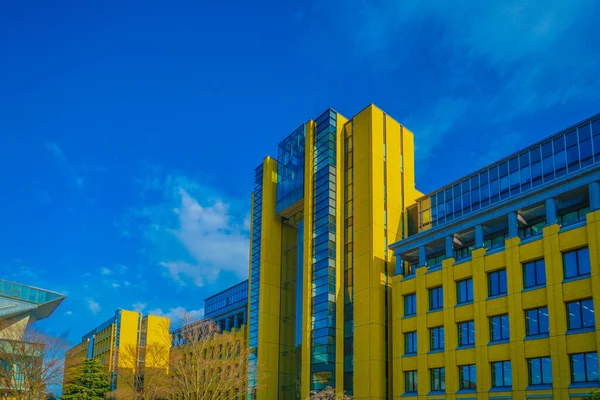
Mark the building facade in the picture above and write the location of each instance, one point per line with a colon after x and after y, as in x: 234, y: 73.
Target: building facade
x: 497, y: 280
x: 21, y: 305
x: 228, y: 308
x: 127, y: 340
x: 323, y: 214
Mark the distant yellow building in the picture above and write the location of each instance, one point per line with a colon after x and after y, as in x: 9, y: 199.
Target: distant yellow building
x: 124, y: 341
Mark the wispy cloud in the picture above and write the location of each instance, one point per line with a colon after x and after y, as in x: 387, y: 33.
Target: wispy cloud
x: 69, y: 312
x: 510, y: 59
x: 105, y: 271
x: 93, y: 306
x: 179, y: 314
x: 56, y: 151
x: 139, y: 306
x: 192, y: 232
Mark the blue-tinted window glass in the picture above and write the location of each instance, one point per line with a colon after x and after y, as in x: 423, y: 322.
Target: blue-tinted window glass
x: 584, y: 367
x: 576, y: 263
x: 501, y: 374
x: 580, y: 314
x: 547, y: 162
x: 499, y: 329
x: 536, y: 321
x: 503, y: 176
x: 410, y: 342
x: 484, y: 189
x: 410, y: 304
x: 467, y: 376
x: 464, y: 291
x: 585, y: 145
x: 466, y: 333
x: 534, y: 273
x: 540, y: 371
x: 436, y: 298
x: 497, y: 283
x: 559, y: 156
x: 436, y: 336
x: 411, y: 382
x: 438, y: 379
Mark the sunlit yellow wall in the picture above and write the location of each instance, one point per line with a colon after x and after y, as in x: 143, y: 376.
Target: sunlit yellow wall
x: 378, y: 214
x: 159, y: 337
x: 553, y: 295
x: 270, y: 281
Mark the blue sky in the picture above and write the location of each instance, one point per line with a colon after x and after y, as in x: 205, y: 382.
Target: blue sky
x: 130, y: 130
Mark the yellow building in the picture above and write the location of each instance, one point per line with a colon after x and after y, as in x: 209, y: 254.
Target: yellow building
x: 127, y: 341
x: 498, y: 276
x: 323, y: 215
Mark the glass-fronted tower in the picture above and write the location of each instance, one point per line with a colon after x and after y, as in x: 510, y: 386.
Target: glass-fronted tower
x: 323, y: 214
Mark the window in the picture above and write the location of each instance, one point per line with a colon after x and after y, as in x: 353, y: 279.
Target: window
x: 495, y: 242
x: 501, y: 374
x: 436, y: 298
x: 540, y: 371
x: 464, y: 291
x: 436, y: 336
x: 467, y: 376
x: 411, y: 382
x: 534, y: 229
x: 435, y: 262
x: 438, y: 379
x: 573, y: 216
x: 497, y: 283
x: 584, y: 367
x: 466, y: 333
x: 536, y: 321
x: 580, y: 314
x: 410, y: 304
x: 499, y: 329
x: 576, y: 263
x: 410, y: 343
x: 534, y: 273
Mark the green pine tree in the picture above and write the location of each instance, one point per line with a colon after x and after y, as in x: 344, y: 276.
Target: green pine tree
x: 87, y: 381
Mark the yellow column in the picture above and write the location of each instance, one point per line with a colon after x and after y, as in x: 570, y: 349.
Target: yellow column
x: 307, y: 276
x: 557, y: 314
x: 450, y: 328
x: 482, y: 326
x: 270, y: 286
x: 514, y: 277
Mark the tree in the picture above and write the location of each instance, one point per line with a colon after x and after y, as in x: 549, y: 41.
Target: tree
x: 594, y: 395
x: 31, y: 362
x: 87, y: 380
x: 208, y: 364
x: 328, y: 394
x: 142, y: 374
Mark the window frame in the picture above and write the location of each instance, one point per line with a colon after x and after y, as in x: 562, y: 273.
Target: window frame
x: 436, y: 337
x: 538, y: 311
x: 441, y: 375
x: 408, y: 342
x: 585, y: 367
x: 502, y: 318
x: 539, y: 264
x: 504, y: 377
x: 407, y: 304
x: 581, y: 307
x: 436, y: 296
x: 578, y: 263
x: 414, y: 381
x: 472, y: 372
x: 468, y: 283
x: 460, y: 335
x: 497, y: 291
x: 541, y: 371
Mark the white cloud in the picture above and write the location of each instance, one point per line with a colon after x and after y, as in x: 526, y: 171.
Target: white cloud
x: 93, y: 306
x: 139, y: 306
x: 55, y: 150
x: 192, y: 231
x: 106, y: 271
x: 122, y: 268
x: 69, y: 312
x: 179, y: 314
